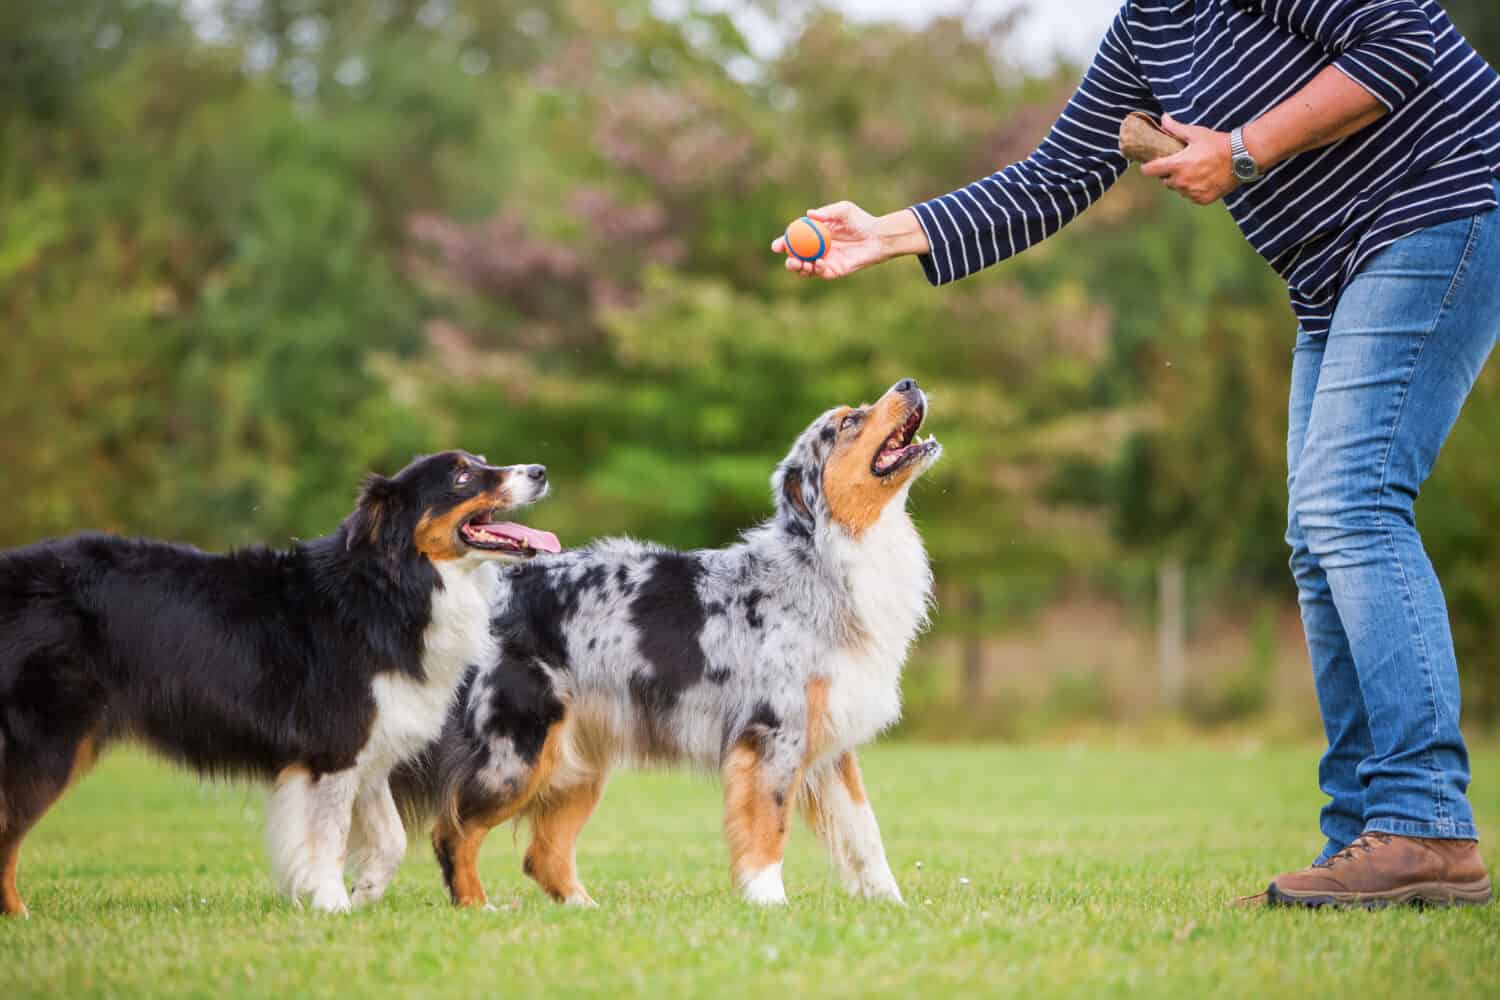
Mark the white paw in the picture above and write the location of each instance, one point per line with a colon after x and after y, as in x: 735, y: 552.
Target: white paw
x: 332, y: 898
x: 490, y: 908
x: 581, y: 899
x: 877, y: 884
x: 764, y: 888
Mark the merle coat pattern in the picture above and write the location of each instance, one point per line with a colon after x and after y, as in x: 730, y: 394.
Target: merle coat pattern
x: 769, y: 661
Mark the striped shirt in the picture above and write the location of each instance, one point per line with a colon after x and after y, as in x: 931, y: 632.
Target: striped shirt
x: 1316, y: 217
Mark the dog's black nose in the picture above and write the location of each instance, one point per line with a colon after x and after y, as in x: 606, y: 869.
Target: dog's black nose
x: 537, y: 472
x: 906, y: 385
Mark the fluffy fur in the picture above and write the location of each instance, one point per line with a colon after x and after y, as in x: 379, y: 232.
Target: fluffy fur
x: 320, y: 667
x: 769, y: 661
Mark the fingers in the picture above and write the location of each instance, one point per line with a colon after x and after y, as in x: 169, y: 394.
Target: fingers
x: 1163, y: 168
x: 1187, y: 133
x: 820, y: 268
x: 1176, y: 129
x: 794, y: 264
x: 839, y: 211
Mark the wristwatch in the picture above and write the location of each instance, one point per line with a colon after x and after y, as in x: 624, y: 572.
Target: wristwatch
x: 1245, y: 167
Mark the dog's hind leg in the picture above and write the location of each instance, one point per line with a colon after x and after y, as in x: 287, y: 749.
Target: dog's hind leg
x: 10, y: 857
x: 490, y: 788
x: 30, y: 785
x: 761, y: 778
x: 555, y: 824
x: 377, y: 840
x: 836, y: 807
x: 308, y: 832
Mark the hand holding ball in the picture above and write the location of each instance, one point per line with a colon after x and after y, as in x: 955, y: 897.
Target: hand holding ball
x: 807, y: 239
x: 833, y: 242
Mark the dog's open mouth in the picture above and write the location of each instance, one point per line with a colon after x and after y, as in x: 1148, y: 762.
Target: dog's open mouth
x: 482, y: 531
x: 902, y: 448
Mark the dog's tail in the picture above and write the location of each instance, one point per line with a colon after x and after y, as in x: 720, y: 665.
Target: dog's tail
x: 437, y: 783
x: 425, y: 786
x: 416, y: 789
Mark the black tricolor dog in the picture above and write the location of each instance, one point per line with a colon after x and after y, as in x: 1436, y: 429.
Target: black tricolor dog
x: 320, y: 667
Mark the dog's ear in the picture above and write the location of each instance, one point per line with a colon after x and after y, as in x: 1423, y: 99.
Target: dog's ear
x: 373, y: 515
x: 796, y: 513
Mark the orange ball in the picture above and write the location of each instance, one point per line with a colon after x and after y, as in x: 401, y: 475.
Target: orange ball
x: 806, y: 239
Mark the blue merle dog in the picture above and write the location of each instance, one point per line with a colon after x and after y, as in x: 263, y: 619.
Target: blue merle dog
x: 769, y: 661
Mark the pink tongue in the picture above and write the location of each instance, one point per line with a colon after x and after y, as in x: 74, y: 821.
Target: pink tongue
x: 541, y: 541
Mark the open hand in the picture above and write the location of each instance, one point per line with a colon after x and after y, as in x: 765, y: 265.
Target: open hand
x: 1202, y: 173
x: 854, y: 243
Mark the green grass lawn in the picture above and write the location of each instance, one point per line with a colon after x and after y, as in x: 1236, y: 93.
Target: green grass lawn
x: 1027, y: 872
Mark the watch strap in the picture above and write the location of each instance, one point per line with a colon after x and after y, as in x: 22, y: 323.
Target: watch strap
x: 1240, y: 155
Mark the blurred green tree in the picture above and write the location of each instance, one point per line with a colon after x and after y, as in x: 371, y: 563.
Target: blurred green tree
x: 250, y: 251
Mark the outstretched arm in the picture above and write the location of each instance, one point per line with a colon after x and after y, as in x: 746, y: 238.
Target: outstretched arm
x: 1003, y: 214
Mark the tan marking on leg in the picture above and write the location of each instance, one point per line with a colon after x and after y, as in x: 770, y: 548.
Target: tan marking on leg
x: 755, y: 816
x: 292, y: 771
x: 815, y: 810
x: 818, y: 725
x: 10, y: 897
x: 85, y: 757
x: 848, y: 771
x: 457, y: 839
x: 458, y: 853
x: 555, y: 824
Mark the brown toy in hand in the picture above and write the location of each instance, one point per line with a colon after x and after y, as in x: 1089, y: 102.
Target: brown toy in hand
x: 1143, y: 140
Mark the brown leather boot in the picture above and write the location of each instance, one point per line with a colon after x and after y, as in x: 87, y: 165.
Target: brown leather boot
x: 1380, y: 868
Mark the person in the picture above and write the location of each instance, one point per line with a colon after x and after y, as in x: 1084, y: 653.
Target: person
x: 1357, y: 145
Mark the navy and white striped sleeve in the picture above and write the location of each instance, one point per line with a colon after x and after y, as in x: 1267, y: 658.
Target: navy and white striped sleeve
x: 1005, y: 213
x: 1387, y: 47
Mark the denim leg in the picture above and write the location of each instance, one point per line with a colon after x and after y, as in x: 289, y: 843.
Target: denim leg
x: 1408, y: 340
x: 1334, y: 676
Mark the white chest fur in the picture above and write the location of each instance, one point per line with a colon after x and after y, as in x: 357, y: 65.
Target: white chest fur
x: 889, y: 584
x: 410, y: 713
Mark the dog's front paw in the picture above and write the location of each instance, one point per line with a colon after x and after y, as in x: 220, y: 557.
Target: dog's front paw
x: 764, y: 888
x: 331, y: 898
x: 877, y: 886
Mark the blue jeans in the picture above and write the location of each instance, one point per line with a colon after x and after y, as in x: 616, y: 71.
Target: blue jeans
x: 1372, y: 402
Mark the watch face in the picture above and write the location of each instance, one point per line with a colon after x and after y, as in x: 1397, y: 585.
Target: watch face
x: 1244, y: 168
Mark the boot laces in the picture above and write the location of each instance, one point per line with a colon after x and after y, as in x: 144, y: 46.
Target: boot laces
x: 1365, y: 843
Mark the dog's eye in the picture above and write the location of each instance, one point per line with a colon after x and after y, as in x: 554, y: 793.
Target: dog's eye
x: 851, y: 420
x: 464, y: 475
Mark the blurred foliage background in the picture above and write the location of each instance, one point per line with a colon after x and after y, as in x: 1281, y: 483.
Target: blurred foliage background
x: 250, y: 249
